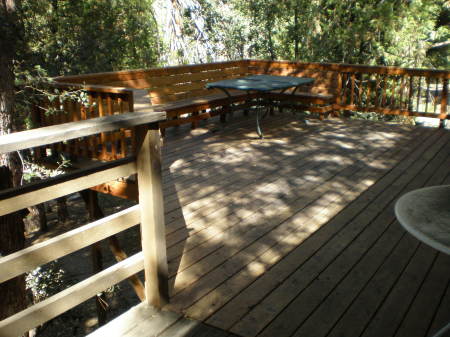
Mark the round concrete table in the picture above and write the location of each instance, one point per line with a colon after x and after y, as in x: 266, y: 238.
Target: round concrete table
x: 425, y: 213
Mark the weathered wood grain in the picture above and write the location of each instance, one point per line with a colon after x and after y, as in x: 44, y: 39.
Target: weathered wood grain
x: 25, y: 260
x: 53, y: 306
x: 63, y: 132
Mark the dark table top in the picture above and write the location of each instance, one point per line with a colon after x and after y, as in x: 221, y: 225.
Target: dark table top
x: 261, y: 83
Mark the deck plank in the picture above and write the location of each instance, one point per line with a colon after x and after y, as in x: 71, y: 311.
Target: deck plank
x: 322, y: 190
x: 442, y: 315
x: 140, y: 320
x: 417, y: 321
x: 265, y: 311
x: 335, y: 304
x: 256, y: 229
x: 393, y: 309
x: 246, y: 277
x: 144, y: 320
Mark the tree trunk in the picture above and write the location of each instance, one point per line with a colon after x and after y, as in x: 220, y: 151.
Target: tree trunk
x: 61, y: 209
x: 12, y: 239
x: 37, y: 220
x: 12, y: 292
x: 296, y: 34
x: 9, y: 33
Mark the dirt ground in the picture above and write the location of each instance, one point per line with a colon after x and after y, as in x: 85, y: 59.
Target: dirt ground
x: 78, y: 266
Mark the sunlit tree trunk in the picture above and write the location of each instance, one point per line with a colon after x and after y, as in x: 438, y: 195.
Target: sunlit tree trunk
x: 296, y: 32
x: 12, y: 292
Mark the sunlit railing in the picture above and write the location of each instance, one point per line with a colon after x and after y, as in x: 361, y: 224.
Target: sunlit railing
x: 145, y: 162
x: 385, y: 90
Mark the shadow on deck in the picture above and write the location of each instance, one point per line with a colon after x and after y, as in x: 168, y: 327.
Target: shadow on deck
x: 295, y: 234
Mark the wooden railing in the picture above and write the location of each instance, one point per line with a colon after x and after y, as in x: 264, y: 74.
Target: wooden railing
x: 101, y: 101
x: 385, y: 90
x: 145, y: 162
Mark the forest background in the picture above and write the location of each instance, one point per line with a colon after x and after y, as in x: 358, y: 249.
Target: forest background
x: 71, y: 37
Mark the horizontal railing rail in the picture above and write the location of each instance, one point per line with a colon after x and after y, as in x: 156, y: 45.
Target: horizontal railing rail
x: 385, y: 90
x: 357, y: 88
x: 146, y: 164
x: 101, y: 101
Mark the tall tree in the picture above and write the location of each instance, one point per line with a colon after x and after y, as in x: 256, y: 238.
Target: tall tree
x: 73, y: 37
x: 12, y: 237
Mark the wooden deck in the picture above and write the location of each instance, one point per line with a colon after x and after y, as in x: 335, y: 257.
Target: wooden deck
x: 143, y: 320
x: 295, y: 235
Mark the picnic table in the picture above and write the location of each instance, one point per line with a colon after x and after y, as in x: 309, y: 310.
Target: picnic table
x: 261, y: 84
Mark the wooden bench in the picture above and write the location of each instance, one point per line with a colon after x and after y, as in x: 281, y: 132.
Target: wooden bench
x: 316, y: 103
x: 191, y: 110
x: 180, y: 91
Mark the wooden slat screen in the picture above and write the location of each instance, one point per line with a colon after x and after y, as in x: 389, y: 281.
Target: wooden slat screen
x: 106, y: 146
x: 386, y: 90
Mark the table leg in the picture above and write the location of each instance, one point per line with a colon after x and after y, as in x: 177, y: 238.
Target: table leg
x: 441, y: 332
x: 258, y: 124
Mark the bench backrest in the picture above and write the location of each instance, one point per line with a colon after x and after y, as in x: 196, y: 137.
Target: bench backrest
x: 171, y: 83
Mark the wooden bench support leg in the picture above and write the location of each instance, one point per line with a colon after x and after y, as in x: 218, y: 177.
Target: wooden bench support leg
x: 223, y: 114
x: 95, y: 213
x: 120, y: 255
x: 97, y: 266
x: 194, y: 124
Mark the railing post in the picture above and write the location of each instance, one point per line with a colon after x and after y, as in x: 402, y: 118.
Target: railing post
x: 338, y: 100
x: 152, y: 214
x: 444, y: 101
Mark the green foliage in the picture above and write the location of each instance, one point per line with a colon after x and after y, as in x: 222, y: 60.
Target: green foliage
x: 45, y: 281
x: 397, y: 32
x: 228, y: 29
x: 72, y: 37
x: 33, y: 87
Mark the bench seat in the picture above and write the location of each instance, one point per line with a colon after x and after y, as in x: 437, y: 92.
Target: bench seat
x: 316, y: 103
x: 193, y: 109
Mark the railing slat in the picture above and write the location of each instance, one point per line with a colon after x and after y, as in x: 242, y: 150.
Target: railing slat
x: 377, y: 91
x: 62, y: 132
x: 410, y: 94
x: 436, y: 88
x: 402, y: 89
x: 352, y: 92
x: 42, y: 312
x: 385, y: 85
x: 369, y: 91
x: 29, y: 258
x: 427, y: 95
x: 444, y: 100
x: 46, y: 193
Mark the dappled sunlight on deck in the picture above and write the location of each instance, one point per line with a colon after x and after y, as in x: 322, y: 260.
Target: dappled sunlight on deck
x: 258, y: 228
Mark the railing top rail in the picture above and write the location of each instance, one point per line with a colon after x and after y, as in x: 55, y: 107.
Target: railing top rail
x: 341, y: 67
x: 93, y: 87
x: 105, y: 77
x: 67, y: 131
